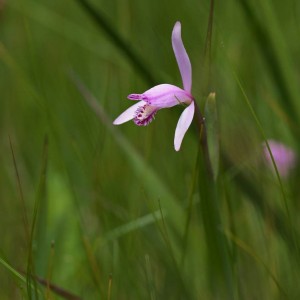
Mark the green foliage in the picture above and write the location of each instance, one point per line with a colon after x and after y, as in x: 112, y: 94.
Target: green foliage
x: 95, y: 211
x: 212, y: 131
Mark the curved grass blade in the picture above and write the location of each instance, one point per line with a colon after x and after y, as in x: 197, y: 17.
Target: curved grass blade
x: 118, y: 41
x: 134, y: 225
x: 243, y: 246
x: 14, y: 272
x: 25, y: 218
x: 244, y: 184
x: 53, y: 21
x: 39, y: 196
x: 273, y: 48
x: 261, y: 130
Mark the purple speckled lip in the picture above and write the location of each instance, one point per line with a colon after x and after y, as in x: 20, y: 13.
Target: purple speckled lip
x: 144, y: 115
x: 166, y: 95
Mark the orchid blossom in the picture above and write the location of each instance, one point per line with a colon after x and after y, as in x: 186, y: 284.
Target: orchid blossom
x: 166, y: 95
x: 284, y: 157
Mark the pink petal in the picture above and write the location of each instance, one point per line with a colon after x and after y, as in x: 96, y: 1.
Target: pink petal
x: 285, y: 158
x: 166, y: 95
x: 128, y: 114
x: 183, y: 124
x: 182, y: 58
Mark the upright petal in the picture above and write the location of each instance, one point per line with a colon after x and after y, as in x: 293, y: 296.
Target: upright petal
x: 183, y: 124
x: 182, y: 58
x: 128, y: 114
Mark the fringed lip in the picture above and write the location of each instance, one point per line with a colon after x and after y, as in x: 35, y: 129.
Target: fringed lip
x: 144, y: 115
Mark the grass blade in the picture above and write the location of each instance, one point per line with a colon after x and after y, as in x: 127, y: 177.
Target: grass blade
x: 39, y: 196
x: 243, y: 246
x: 284, y: 198
x: 118, y: 41
x: 211, y: 122
x: 273, y: 48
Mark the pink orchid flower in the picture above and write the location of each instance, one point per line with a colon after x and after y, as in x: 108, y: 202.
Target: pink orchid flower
x: 166, y: 95
x: 285, y: 157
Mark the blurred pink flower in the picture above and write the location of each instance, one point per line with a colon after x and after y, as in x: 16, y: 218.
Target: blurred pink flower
x: 285, y: 157
x: 166, y: 95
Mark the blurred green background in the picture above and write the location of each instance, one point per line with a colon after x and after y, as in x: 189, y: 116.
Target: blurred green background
x: 106, y: 212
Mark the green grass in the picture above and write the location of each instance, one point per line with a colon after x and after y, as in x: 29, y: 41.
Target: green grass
x: 95, y: 211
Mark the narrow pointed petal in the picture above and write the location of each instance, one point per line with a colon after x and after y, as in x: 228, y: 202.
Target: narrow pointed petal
x: 182, y: 58
x: 183, y: 124
x: 128, y: 114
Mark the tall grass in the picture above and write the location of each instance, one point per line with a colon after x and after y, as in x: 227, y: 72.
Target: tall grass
x: 94, y: 211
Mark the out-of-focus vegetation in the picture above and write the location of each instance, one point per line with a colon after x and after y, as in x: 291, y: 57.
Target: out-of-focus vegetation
x: 104, y: 212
